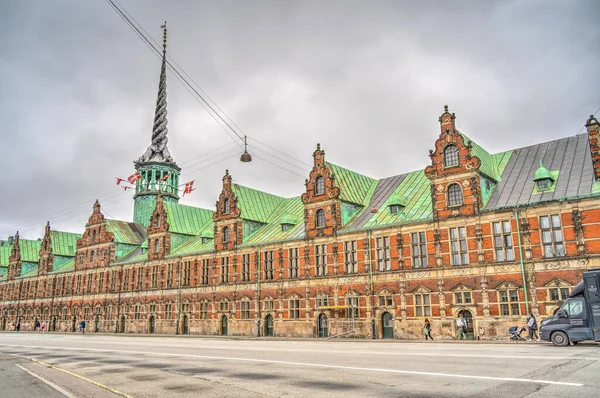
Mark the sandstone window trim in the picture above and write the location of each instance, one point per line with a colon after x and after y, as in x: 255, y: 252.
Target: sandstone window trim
x: 226, y: 206
x: 294, y: 255
x: 350, y: 257
x: 224, y: 305
x: 268, y: 262
x: 459, y: 253
x: 352, y: 304
x: 552, y: 238
x: 204, y: 309
x: 294, y: 308
x: 321, y: 260
x: 509, y: 301
x: 422, y: 303
x: 320, y: 185
x: 419, y: 249
x: 455, y: 195
x: 226, y: 234
x: 322, y: 300
x: 268, y: 304
x: 245, y: 309
x: 224, y: 269
x: 451, y: 156
x: 246, y: 263
x: 384, y: 261
x: 320, y: 218
x: 503, y: 241
x: 205, y: 271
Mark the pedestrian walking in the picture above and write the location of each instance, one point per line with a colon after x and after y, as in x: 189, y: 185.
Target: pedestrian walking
x: 18, y: 326
x: 461, y: 327
x: 427, y: 330
x: 43, y: 327
x: 532, y: 326
x: 82, y: 327
x: 37, y: 326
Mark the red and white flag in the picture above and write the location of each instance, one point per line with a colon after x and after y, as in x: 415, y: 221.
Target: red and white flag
x: 188, y: 188
x: 126, y: 188
x: 119, y: 180
x: 134, y: 177
x: 163, y: 178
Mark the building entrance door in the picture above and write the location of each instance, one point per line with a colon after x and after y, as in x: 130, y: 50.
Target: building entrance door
x: 469, y: 333
x: 387, y: 325
x: 185, y: 325
x: 122, y: 325
x: 73, y: 324
x: 224, y: 326
x: 151, y: 325
x: 322, y: 325
x: 97, y: 324
x: 269, y: 325
x: 3, y: 323
x: 52, y: 326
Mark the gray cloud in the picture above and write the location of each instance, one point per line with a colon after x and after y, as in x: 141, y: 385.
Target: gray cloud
x: 365, y: 79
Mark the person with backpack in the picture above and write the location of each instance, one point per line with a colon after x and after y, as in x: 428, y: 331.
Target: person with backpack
x: 532, y: 325
x: 427, y: 330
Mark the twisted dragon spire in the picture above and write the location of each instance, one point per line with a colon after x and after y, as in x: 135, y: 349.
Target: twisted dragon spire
x: 158, y: 151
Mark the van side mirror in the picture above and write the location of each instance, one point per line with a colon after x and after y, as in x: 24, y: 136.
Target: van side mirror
x: 562, y: 314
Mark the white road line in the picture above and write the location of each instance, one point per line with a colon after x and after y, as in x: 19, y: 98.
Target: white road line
x: 318, y: 365
x: 57, y: 388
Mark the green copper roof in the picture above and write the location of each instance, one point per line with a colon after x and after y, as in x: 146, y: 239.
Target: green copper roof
x: 126, y: 232
x: 492, y: 166
x: 28, y: 270
x: 354, y: 187
x: 30, y: 250
x: 208, y: 233
x: 542, y: 173
x: 5, y: 249
x: 194, y: 245
x: 64, y: 243
x: 3, y: 273
x: 288, y: 219
x: 66, y: 267
x: 272, y: 232
x: 185, y: 219
x: 254, y: 204
x: 396, y: 199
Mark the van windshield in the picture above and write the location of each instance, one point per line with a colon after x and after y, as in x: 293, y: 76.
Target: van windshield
x: 573, y: 307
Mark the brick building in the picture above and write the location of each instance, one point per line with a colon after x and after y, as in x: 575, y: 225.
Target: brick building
x: 492, y: 236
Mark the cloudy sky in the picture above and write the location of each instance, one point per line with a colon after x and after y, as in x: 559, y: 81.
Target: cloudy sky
x: 366, y: 79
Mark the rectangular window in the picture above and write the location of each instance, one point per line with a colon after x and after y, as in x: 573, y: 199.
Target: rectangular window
x: 204, y: 310
x: 246, y: 262
x: 352, y: 303
x: 422, y: 305
x: 224, y: 269
x: 419, y: 250
x: 294, y: 262
x: 168, y: 311
x: 552, y: 238
x: 205, y: 269
x: 137, y: 311
x: 125, y: 280
x: 462, y: 298
x: 268, y: 305
x: 154, y: 276
x: 321, y: 259
x: 245, y: 309
x: 322, y: 301
x: 170, y: 275
x: 350, y: 257
x: 294, y: 310
x: 139, y: 279
x: 186, y: 273
x: 383, y: 254
x: 224, y: 305
x: 509, y: 302
x: 152, y: 307
x: 458, y: 246
x: 77, y: 285
x: 268, y: 265
x: 558, y: 293
x: 385, y: 301
x: 185, y: 307
x: 89, y: 283
x: 503, y: 242
x: 113, y: 280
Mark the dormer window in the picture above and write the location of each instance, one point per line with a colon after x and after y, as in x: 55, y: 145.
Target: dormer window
x: 543, y: 178
x: 226, y: 235
x: 320, y: 218
x: 394, y: 209
x: 287, y: 222
x: 285, y: 227
x: 451, y: 156
x: 396, y: 203
x: 320, y: 185
x: 226, y: 206
x: 455, y: 197
x: 156, y: 246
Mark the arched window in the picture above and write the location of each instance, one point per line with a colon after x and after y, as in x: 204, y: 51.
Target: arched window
x: 320, y: 218
x: 451, y: 156
x: 156, y: 245
x: 158, y: 221
x: 320, y: 185
x: 226, y: 206
x: 455, y: 197
x: 225, y: 234
x: 93, y: 235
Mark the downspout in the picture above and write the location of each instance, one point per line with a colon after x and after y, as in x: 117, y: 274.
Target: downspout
x: 372, y: 286
x: 516, y: 212
x: 258, y: 291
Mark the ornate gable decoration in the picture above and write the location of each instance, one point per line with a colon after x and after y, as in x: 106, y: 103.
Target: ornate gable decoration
x: 46, y: 247
x: 159, y: 219
x: 227, y: 203
x: 321, y: 182
x: 95, y: 230
x: 46, y: 257
x: 15, y: 254
x: 452, y: 154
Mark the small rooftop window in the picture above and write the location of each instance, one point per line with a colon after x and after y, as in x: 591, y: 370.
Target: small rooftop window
x: 396, y: 203
x: 543, y: 178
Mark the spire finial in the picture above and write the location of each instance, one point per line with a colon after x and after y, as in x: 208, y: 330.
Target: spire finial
x: 164, y: 28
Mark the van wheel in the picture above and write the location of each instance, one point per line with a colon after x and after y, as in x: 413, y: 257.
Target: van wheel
x: 560, y: 339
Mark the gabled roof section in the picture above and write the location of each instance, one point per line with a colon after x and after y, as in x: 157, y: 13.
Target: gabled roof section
x: 126, y: 232
x: 570, y: 157
x: 29, y: 270
x: 255, y: 205
x: 30, y: 250
x: 414, y: 187
x: 291, y: 208
x: 64, y: 243
x: 186, y: 220
x: 491, y: 165
x: 66, y: 267
x: 354, y: 187
x: 3, y: 273
x: 5, y: 248
x: 194, y: 245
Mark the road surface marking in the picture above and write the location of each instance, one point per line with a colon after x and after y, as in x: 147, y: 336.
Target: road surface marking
x: 308, y: 364
x: 48, y: 382
x: 94, y: 382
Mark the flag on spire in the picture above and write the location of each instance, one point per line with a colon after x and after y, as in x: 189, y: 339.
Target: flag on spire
x: 134, y: 177
x: 188, y: 187
x: 163, y: 178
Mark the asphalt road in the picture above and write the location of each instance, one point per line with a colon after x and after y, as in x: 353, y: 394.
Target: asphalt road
x: 141, y: 366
